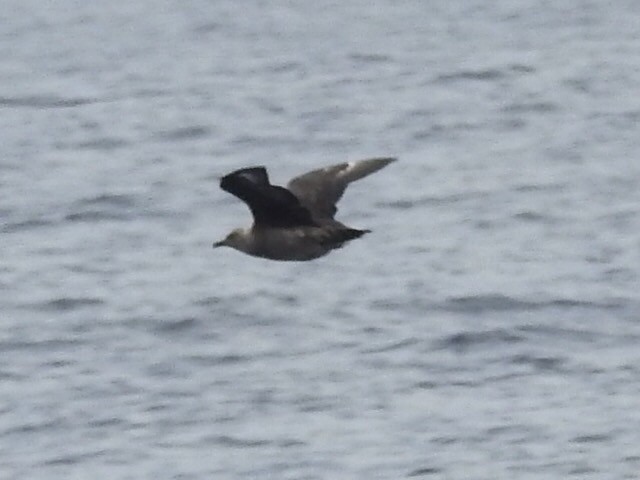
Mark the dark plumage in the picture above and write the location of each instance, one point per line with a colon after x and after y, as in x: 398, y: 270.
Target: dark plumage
x: 295, y: 223
x: 271, y: 205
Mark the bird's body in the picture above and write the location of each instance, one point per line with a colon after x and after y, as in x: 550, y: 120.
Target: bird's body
x: 295, y: 223
x: 293, y: 243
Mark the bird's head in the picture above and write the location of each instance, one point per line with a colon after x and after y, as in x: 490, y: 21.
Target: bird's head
x: 237, y: 239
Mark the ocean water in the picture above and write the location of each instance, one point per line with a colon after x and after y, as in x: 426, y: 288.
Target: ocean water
x: 489, y: 326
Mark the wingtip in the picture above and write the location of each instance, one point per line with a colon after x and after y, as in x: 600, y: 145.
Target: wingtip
x: 375, y: 162
x: 361, y: 168
x: 384, y: 159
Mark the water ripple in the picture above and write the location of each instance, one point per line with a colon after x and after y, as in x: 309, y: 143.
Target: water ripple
x: 39, y: 345
x: 24, y: 225
x: 465, y: 340
x: 65, y: 304
x: 499, y: 303
x: 369, y: 58
x: 44, y: 101
x: 102, y: 144
x: 176, y: 326
x: 102, y: 207
x: 479, y: 75
x: 236, y: 442
x: 539, y: 362
x: 184, y: 133
x: 424, y: 471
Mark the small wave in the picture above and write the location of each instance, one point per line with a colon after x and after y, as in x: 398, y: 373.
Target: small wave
x: 229, y: 441
x: 594, y: 438
x: 73, y: 459
x: 570, y: 303
x: 539, y: 363
x: 551, y: 187
x: 487, y: 74
x: 208, y: 27
x: 94, y: 216
x: 369, y: 58
x: 65, y: 304
x: 480, y: 75
x: 421, y: 472
x: 36, y: 427
x: 392, y: 346
x: 175, y: 326
x: 482, y: 303
x: 43, y: 101
x: 498, y: 303
x: 437, y: 130
x: 532, y: 107
x: 41, y: 345
x: 102, y: 143
x: 243, y: 140
x: 105, y: 422
x: 25, y: 225
x: 397, y: 204
x: 102, y: 207
x: 116, y: 200
x: 285, y: 67
x: 529, y: 216
x: 520, y: 68
x: 465, y: 340
x: 432, y: 200
x: 217, y: 360
x: 583, y: 334
x: 184, y: 133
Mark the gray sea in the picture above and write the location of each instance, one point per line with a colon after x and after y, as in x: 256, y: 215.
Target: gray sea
x: 488, y: 328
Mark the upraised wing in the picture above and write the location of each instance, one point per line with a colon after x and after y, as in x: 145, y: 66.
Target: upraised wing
x: 270, y: 205
x: 320, y: 190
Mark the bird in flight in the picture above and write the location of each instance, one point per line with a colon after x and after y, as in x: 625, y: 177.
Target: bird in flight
x: 295, y: 223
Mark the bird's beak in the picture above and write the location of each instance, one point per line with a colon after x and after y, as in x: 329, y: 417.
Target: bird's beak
x: 219, y: 244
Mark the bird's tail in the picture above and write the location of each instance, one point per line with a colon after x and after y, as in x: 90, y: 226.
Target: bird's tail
x: 352, y: 233
x: 336, y: 237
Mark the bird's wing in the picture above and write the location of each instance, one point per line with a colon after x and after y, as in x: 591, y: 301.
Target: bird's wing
x: 270, y: 205
x: 320, y: 190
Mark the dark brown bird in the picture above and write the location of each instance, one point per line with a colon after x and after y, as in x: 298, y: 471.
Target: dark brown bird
x: 295, y: 223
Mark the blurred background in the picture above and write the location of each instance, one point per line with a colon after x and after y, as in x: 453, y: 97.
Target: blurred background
x: 488, y: 328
